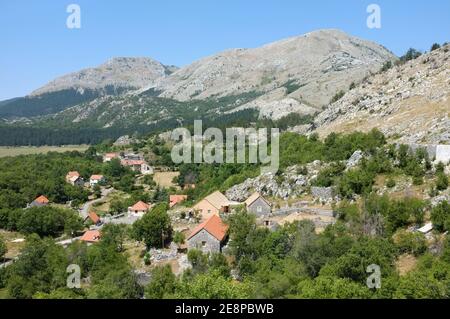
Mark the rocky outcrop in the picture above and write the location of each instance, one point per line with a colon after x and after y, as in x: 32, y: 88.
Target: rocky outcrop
x: 409, y: 102
x: 292, y: 183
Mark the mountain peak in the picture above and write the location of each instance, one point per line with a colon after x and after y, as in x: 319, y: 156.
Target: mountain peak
x: 118, y: 72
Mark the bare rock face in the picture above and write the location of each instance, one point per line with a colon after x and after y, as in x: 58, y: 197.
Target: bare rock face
x: 311, y: 68
x: 117, y: 73
x: 410, y: 103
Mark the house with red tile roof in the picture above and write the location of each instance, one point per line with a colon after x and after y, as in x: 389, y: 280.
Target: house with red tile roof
x: 96, y: 179
x: 209, y: 236
x: 110, y: 156
x: 39, y: 202
x: 176, y: 199
x: 139, y: 166
x: 94, y: 218
x: 139, y: 209
x: 91, y: 236
x: 74, y: 178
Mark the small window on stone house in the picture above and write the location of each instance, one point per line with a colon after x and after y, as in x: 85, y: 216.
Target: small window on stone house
x: 259, y: 209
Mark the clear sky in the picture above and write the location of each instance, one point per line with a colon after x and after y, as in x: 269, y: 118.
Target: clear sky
x: 36, y: 46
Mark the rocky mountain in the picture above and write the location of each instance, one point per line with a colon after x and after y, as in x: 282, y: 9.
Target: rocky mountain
x: 117, y: 73
x: 115, y: 77
x: 409, y: 102
x: 299, y: 74
x: 327, y: 73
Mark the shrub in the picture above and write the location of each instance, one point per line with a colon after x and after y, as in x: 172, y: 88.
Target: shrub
x: 390, y: 183
x: 441, y: 182
x: 339, y: 95
x: 440, y: 216
x: 410, y: 242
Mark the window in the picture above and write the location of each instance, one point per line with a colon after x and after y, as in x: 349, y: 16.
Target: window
x: 259, y: 209
x: 203, y: 243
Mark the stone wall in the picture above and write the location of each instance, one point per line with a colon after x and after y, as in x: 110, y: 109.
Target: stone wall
x: 259, y: 207
x: 212, y: 245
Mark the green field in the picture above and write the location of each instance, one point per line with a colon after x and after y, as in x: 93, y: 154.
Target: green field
x: 27, y: 150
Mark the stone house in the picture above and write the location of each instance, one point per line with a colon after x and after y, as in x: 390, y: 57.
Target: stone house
x: 209, y: 236
x: 74, y: 178
x: 214, y: 203
x: 258, y: 205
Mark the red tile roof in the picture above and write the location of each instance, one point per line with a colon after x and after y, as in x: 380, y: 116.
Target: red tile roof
x: 91, y: 236
x: 140, y: 206
x: 94, y: 217
x: 132, y: 162
x: 72, y: 174
x: 42, y: 200
x: 175, y: 199
x: 214, y: 226
x: 96, y: 177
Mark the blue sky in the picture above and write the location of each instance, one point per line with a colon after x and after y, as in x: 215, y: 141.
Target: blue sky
x: 36, y: 46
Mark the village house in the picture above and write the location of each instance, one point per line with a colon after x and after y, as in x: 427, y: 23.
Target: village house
x: 209, y: 236
x: 139, y: 209
x: 91, y: 236
x: 214, y: 203
x: 133, y: 156
x: 39, y: 202
x: 258, y: 205
x: 94, y: 218
x: 139, y: 166
x: 176, y: 199
x: 110, y: 156
x: 74, y: 178
x: 96, y: 179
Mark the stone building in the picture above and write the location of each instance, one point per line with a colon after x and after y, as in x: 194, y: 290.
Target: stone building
x: 258, y: 205
x: 209, y: 236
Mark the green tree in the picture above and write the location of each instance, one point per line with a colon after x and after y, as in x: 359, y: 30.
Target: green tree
x: 212, y: 286
x: 179, y: 238
x: 440, y: 216
x: 114, y: 235
x: 435, y: 46
x: 3, y: 248
x: 154, y: 229
x: 41, y: 267
x: 163, y: 283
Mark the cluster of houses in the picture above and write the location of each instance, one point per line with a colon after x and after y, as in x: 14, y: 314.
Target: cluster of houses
x: 211, y: 235
x: 134, y: 161
x: 74, y: 178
